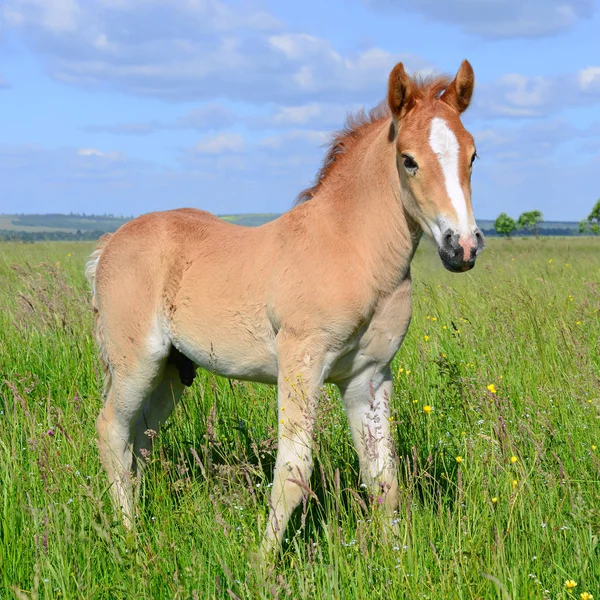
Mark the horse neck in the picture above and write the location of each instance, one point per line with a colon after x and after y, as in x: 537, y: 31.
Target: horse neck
x: 365, y: 199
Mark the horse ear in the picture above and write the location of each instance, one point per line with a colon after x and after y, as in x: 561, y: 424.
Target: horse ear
x: 458, y: 93
x: 400, y: 91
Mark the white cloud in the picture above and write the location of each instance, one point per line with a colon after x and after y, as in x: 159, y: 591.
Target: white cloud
x: 106, y: 156
x: 496, y: 18
x: 209, y: 116
x: 521, y: 96
x: 204, y: 118
x: 57, y: 16
x: 89, y: 152
x: 220, y: 143
x: 291, y: 139
x: 62, y: 165
x: 299, y: 46
x: 184, y: 50
x: 294, y: 153
x: 589, y: 78
x: 535, y: 140
x: 314, y: 115
x: 297, y: 115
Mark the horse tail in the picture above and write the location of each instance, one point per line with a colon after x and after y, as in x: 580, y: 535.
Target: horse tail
x: 90, y: 274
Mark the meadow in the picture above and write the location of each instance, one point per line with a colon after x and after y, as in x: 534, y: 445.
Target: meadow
x: 496, y: 414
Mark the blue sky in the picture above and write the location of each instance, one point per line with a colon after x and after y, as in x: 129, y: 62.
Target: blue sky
x: 128, y: 106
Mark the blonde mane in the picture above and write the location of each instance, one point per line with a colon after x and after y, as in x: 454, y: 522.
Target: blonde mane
x: 425, y: 90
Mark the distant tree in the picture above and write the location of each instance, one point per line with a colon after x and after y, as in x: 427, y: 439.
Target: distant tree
x: 505, y: 225
x: 592, y: 223
x: 530, y: 221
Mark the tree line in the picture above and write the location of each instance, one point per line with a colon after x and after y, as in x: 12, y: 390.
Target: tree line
x: 29, y: 237
x: 530, y: 221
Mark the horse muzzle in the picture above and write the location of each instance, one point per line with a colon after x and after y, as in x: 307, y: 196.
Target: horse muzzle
x: 459, y: 252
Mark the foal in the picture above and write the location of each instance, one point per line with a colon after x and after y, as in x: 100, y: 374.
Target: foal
x: 321, y: 294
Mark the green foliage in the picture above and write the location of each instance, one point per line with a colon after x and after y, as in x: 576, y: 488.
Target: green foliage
x: 507, y: 355
x: 530, y: 221
x: 504, y: 225
x: 592, y: 223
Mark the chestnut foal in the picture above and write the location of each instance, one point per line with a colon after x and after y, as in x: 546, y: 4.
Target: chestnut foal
x: 321, y: 294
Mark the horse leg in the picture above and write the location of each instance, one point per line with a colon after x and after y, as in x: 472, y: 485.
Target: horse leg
x: 367, y: 399
x: 130, y: 388
x: 155, y: 412
x: 300, y: 377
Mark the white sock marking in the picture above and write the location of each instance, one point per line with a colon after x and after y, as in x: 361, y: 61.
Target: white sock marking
x: 445, y: 145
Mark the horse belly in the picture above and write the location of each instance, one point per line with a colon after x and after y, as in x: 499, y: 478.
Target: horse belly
x: 234, y: 350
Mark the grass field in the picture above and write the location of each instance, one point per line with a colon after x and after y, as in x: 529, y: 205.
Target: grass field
x: 500, y: 480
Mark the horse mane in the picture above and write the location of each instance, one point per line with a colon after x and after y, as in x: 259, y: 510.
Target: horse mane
x: 425, y: 89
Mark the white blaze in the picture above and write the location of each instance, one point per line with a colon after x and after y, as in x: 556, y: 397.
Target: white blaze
x: 445, y: 145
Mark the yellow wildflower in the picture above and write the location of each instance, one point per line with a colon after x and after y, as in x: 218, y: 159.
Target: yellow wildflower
x: 514, y: 483
x: 426, y: 338
x: 594, y: 447
x: 494, y: 499
x: 513, y: 459
x: 551, y: 261
x: 428, y: 317
x: 578, y: 323
x: 570, y: 584
x: 408, y: 371
x: 491, y: 388
x: 434, y: 318
x: 459, y: 459
x: 586, y: 596
x: 69, y: 254
x: 427, y: 409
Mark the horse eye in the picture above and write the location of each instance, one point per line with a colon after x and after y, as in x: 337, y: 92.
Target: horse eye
x: 410, y: 164
x: 475, y: 155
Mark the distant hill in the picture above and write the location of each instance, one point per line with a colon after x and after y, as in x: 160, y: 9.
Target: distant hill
x: 32, y: 228
x: 54, y: 222
x: 252, y: 220
x: 73, y: 227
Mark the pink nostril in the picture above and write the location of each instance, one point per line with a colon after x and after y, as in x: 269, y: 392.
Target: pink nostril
x: 469, y: 245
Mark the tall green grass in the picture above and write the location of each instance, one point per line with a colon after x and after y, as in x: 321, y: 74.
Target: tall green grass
x: 500, y: 480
